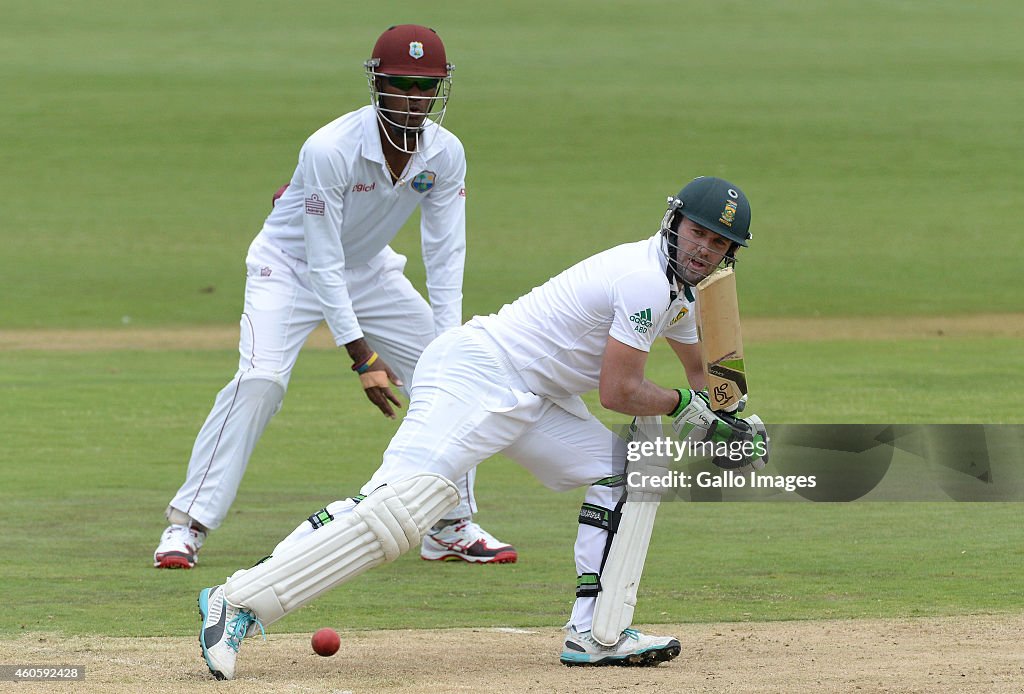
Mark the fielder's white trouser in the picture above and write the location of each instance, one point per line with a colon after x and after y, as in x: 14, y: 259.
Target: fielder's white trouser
x: 280, y: 313
x: 468, y: 403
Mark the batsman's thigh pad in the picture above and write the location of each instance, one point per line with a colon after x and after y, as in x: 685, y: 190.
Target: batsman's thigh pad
x: 387, y: 523
x: 566, y: 451
x: 464, y: 408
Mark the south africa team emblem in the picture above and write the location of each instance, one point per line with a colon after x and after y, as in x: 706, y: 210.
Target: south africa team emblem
x: 679, y: 316
x: 729, y: 213
x: 423, y: 182
x: 416, y: 49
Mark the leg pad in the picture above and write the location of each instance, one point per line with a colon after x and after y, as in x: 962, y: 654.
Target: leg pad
x: 624, y: 561
x: 383, y: 526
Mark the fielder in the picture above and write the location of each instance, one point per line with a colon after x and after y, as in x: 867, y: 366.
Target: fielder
x: 510, y: 383
x: 323, y: 254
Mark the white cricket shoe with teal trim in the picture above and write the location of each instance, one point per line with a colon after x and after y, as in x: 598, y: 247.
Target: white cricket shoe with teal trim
x: 632, y: 649
x: 224, y: 627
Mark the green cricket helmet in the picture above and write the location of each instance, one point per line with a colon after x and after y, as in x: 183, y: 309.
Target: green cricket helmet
x: 716, y: 205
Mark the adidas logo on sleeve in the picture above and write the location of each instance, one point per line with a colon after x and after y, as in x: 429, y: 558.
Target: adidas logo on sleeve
x: 641, y: 321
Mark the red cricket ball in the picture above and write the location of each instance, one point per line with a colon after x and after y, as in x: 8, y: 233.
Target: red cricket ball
x: 326, y: 642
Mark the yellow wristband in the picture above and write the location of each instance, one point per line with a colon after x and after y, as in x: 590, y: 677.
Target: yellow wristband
x: 363, y: 367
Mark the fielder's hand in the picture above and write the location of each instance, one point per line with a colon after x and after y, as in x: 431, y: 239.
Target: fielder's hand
x: 377, y: 382
x: 735, y: 443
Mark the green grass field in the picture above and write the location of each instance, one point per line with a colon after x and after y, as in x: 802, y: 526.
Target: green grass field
x: 879, y: 144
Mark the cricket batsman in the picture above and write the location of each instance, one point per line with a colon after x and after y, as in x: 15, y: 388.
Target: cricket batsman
x: 511, y: 383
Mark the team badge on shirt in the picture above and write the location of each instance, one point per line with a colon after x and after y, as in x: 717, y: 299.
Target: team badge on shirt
x: 424, y: 181
x: 679, y: 316
x: 416, y: 49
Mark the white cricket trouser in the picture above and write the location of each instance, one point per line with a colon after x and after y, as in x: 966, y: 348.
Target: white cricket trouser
x: 468, y: 403
x: 280, y: 313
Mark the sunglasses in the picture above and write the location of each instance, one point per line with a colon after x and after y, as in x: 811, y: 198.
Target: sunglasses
x: 425, y: 84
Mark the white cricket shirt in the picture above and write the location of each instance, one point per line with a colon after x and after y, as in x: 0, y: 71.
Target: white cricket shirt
x: 341, y: 209
x: 555, y: 336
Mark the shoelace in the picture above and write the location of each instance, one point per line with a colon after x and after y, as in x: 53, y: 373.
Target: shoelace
x: 588, y: 635
x: 481, y: 534
x: 238, y: 627
x: 187, y: 536
x: 175, y: 531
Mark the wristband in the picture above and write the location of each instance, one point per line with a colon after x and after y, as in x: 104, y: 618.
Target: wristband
x: 364, y: 366
x: 684, y: 400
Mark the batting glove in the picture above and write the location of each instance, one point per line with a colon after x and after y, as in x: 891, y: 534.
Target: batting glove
x: 735, y: 444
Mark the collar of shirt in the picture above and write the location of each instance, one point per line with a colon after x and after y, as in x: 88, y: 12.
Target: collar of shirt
x: 674, y: 284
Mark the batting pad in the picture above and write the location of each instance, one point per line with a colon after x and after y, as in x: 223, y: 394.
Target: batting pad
x: 620, y: 574
x: 383, y: 526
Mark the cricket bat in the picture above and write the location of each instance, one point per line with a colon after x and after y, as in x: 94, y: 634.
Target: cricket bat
x: 721, y: 341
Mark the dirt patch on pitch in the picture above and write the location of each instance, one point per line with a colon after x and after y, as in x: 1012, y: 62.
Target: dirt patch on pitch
x: 754, y: 330
x: 961, y: 654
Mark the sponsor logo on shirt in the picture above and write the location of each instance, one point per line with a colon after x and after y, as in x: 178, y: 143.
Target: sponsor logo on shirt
x: 641, y: 321
x: 424, y: 181
x: 679, y: 316
x: 265, y: 271
x: 462, y: 192
x: 314, y: 205
x: 363, y: 187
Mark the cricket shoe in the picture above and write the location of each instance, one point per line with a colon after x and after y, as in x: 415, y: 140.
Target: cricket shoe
x: 632, y: 649
x: 224, y: 627
x: 179, y: 547
x: 465, y: 540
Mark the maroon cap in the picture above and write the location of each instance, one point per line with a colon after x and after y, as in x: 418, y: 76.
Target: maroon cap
x: 411, y: 49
